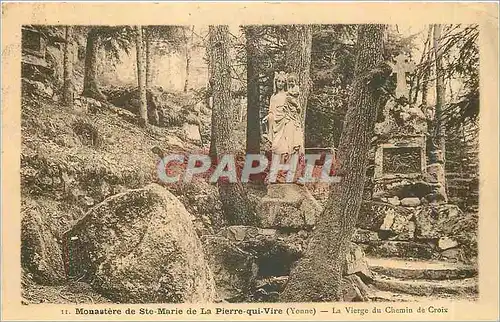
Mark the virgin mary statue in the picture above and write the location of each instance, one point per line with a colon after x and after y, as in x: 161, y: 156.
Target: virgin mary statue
x: 285, y: 129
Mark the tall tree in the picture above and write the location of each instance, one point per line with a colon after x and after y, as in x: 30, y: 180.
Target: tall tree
x: 68, y: 87
x: 317, y: 277
x: 149, y: 65
x: 153, y: 116
x: 141, y: 78
x: 236, y: 206
x: 253, y: 91
x: 426, y: 58
x: 189, y: 42
x: 209, y: 99
x: 439, y: 135
x: 90, y: 84
x: 298, y: 59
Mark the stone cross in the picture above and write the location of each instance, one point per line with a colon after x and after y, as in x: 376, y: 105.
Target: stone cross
x: 402, y: 66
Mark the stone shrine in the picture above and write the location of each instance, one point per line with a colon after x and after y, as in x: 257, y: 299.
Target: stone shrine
x: 408, y: 214
x: 400, y: 158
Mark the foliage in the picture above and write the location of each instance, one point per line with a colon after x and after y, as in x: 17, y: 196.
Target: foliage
x: 461, y: 51
x: 396, y: 44
x: 166, y: 38
x: 332, y: 66
x: 115, y: 39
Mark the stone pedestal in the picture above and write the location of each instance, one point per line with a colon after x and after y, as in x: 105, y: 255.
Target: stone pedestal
x: 288, y: 206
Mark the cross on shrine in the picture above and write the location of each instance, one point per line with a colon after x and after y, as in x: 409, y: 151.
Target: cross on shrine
x: 402, y: 66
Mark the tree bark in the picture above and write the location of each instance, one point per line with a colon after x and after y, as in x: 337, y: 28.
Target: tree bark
x: 68, y: 87
x: 141, y: 78
x: 153, y: 115
x: 236, y: 206
x: 428, y: 110
x: 149, y: 66
x: 209, y: 101
x: 90, y: 84
x: 298, y: 60
x: 253, y: 92
x: 439, y: 131
x: 317, y: 276
x: 423, y: 77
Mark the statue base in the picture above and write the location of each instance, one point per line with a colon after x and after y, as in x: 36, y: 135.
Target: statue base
x: 288, y: 206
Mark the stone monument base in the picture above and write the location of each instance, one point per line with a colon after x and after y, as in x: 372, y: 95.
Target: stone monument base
x: 288, y: 206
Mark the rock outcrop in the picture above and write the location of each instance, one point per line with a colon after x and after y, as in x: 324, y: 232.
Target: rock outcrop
x: 40, y: 251
x: 234, y: 269
x: 140, y: 247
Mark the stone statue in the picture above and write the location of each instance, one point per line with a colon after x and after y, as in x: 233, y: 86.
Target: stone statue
x: 285, y: 128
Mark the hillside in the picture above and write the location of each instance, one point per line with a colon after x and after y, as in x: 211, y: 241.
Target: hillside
x: 73, y: 159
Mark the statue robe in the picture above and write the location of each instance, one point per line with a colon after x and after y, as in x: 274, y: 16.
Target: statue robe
x: 284, y: 126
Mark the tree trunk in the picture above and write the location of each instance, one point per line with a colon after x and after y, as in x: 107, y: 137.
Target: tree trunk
x: 209, y: 101
x: 141, y: 78
x: 253, y: 92
x: 154, y: 117
x: 90, y: 84
x: 423, y: 77
x: 298, y: 60
x: 236, y: 206
x: 317, y: 276
x: 440, y: 91
x: 68, y: 87
x: 188, y: 58
x: 428, y: 110
x: 149, y: 66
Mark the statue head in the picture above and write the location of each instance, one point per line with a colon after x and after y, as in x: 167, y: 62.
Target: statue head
x: 292, y: 80
x: 279, y: 81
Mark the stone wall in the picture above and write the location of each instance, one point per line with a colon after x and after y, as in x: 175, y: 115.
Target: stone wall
x: 416, y: 231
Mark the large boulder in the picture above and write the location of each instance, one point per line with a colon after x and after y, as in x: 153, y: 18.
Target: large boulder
x: 202, y: 200
x: 40, y: 252
x: 234, y: 269
x: 140, y: 247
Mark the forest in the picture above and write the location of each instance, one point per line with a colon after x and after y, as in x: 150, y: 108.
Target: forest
x: 102, y: 106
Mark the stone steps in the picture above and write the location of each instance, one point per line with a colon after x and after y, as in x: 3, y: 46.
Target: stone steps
x: 399, y: 249
x: 462, y: 287
x: 387, y: 296
x: 420, y: 270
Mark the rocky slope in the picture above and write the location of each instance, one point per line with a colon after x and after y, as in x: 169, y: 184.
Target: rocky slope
x: 79, y: 167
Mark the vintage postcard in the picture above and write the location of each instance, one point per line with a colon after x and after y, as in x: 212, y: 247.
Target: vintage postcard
x: 250, y: 161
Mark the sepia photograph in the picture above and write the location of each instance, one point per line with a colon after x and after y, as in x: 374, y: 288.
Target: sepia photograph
x: 136, y: 139
x: 253, y: 161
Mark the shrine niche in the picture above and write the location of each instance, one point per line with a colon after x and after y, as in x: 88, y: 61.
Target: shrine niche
x: 405, y: 160
x: 400, y: 157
